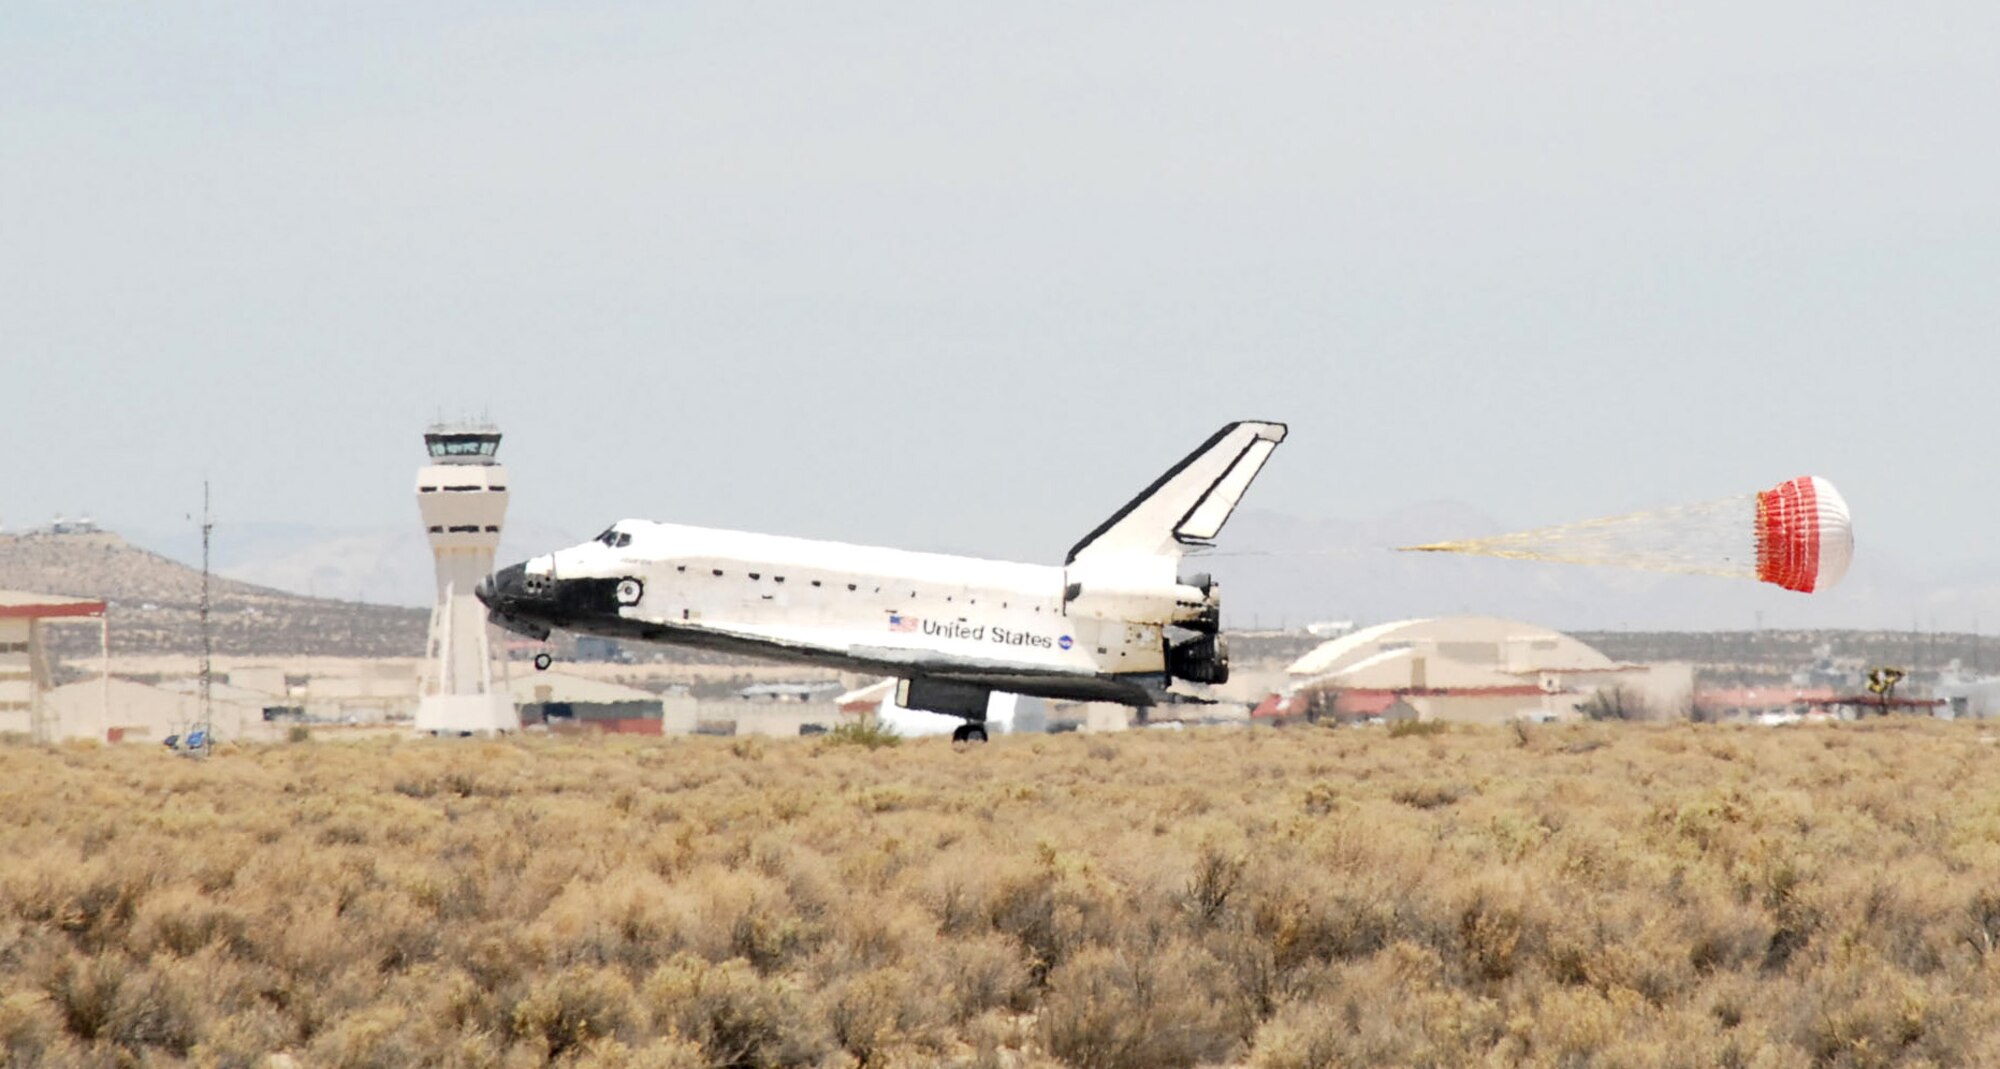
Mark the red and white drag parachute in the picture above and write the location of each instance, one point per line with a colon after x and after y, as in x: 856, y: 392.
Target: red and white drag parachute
x: 1804, y: 539
x: 1796, y: 535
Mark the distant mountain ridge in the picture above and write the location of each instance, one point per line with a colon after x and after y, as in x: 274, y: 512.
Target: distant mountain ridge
x: 389, y: 566
x: 155, y: 604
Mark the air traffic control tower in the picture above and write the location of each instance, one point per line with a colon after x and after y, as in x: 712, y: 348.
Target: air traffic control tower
x: 462, y: 494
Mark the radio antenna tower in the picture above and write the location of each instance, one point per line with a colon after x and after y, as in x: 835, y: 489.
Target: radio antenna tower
x: 207, y: 642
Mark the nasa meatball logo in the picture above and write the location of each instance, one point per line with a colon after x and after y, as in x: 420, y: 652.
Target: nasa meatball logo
x: 1065, y: 642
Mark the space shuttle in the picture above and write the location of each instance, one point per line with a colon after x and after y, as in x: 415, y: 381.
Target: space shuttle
x: 1120, y: 620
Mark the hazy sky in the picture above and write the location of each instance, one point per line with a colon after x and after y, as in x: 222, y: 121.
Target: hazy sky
x: 966, y: 277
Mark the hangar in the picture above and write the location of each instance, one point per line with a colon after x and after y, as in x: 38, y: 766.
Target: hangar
x: 1479, y: 669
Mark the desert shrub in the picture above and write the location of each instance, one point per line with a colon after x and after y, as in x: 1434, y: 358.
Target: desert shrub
x: 376, y: 1037
x: 93, y: 902
x: 1303, y: 1036
x: 29, y: 1026
x: 1156, y: 1007
x: 739, y: 1019
x: 955, y: 887
x: 1430, y: 795
x: 84, y: 991
x: 868, y: 736
x: 1862, y: 1014
x: 298, y: 733
x: 398, y: 932
x: 1403, y: 729
x: 1498, y: 927
x: 152, y: 1010
x: 875, y: 1012
x: 181, y: 921
x: 576, y: 1006
x: 1217, y: 872
x: 1052, y: 908
x: 1979, y: 925
x: 1306, y: 918
x: 243, y: 1039
x: 1724, y: 936
x: 977, y: 974
x: 668, y: 1053
x: 629, y: 918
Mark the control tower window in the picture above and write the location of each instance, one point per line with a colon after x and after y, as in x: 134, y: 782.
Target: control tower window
x: 462, y: 445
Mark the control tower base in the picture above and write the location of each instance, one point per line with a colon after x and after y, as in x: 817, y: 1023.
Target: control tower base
x: 459, y: 714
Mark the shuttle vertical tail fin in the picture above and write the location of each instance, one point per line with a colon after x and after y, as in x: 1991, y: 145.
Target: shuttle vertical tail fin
x: 1189, y: 504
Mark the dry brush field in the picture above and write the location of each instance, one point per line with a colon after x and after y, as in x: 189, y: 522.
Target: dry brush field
x: 1593, y: 895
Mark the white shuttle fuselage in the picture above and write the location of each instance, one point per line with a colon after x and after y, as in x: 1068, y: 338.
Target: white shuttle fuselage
x: 1117, y: 621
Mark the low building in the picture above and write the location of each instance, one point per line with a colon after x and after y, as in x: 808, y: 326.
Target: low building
x: 367, y: 694
x: 817, y: 690
x: 777, y: 719
x: 1750, y: 703
x: 123, y: 711
x: 26, y: 675
x: 563, y: 702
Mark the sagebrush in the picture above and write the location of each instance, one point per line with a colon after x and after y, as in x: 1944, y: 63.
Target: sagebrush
x: 1593, y: 894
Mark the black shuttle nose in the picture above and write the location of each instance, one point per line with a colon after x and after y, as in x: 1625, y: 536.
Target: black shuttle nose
x: 510, y: 604
x: 502, y: 586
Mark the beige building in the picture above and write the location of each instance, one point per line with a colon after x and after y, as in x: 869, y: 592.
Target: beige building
x: 1479, y: 669
x: 778, y: 719
x: 123, y: 711
x: 559, y: 699
x: 367, y: 693
x: 25, y: 672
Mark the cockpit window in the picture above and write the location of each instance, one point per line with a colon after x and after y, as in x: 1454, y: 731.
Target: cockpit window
x: 614, y: 537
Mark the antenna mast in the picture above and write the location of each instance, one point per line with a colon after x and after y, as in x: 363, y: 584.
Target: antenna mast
x: 207, y: 643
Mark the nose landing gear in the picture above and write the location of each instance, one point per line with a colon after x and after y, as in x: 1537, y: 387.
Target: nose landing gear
x: 973, y: 731
x: 543, y: 661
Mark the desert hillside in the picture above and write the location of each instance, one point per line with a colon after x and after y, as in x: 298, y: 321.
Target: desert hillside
x: 1552, y: 896
x: 155, y: 604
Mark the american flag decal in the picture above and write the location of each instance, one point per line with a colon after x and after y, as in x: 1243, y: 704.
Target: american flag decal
x: 903, y: 624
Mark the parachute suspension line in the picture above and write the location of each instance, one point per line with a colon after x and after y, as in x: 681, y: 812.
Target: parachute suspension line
x: 1705, y: 538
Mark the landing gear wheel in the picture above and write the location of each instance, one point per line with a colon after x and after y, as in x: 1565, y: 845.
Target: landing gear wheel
x: 630, y: 591
x: 969, y: 733
x: 543, y: 661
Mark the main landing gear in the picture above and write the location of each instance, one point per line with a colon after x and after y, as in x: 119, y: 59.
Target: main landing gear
x: 973, y: 731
